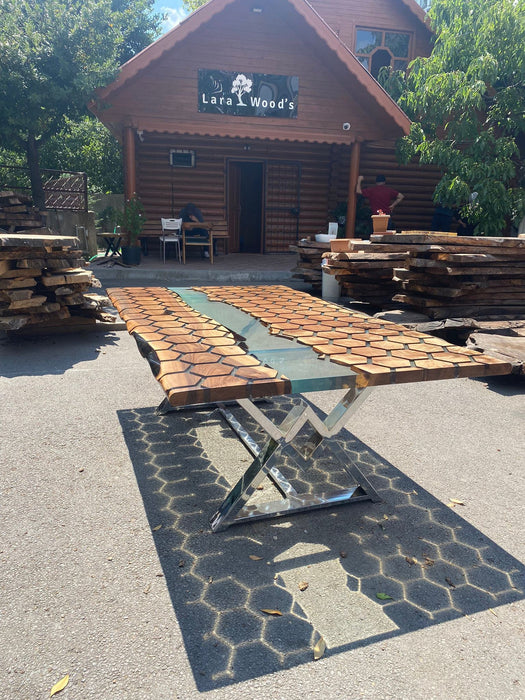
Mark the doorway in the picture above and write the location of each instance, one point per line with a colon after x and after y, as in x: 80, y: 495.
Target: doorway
x: 245, y: 205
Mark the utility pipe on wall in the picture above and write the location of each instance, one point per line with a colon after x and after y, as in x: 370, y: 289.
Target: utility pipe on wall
x: 355, y: 157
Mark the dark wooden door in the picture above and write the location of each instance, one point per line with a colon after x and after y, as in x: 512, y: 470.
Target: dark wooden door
x: 245, y: 206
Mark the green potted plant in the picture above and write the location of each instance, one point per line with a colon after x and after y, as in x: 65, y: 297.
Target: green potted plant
x: 131, y: 221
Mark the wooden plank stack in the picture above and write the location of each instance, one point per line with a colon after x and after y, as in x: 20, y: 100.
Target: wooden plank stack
x: 461, y: 276
x: 310, y: 253
x: 44, y: 281
x: 365, y: 271
x: 17, y: 212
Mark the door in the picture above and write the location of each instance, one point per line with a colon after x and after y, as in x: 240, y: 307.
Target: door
x: 245, y: 206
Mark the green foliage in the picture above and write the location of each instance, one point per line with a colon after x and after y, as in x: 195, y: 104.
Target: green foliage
x: 132, y: 219
x: 86, y: 146
x: 108, y: 219
x: 192, y: 5
x: 53, y: 54
x: 363, y: 220
x: 467, y: 102
x: 393, y: 81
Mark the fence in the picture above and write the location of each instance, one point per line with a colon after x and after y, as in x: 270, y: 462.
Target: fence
x: 64, y: 190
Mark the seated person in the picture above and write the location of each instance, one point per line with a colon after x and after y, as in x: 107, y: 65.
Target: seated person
x: 191, y: 213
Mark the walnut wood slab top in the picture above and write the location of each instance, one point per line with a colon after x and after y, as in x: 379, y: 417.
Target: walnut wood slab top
x: 197, y: 359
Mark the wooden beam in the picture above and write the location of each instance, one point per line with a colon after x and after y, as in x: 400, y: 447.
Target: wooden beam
x: 130, y: 182
x: 352, y: 184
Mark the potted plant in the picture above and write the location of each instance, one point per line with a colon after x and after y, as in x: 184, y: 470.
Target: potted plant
x: 131, y: 221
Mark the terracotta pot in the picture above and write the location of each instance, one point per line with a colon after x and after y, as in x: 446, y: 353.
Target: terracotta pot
x: 380, y: 222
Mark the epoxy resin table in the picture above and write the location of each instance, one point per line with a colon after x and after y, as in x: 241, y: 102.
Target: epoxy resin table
x: 218, y: 344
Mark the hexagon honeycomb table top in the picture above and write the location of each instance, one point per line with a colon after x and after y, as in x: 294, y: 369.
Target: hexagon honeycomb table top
x: 212, y: 344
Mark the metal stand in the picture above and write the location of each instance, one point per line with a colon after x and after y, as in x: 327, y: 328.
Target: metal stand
x: 234, y: 508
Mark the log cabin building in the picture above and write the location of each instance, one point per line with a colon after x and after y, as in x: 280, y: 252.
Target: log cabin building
x: 264, y: 112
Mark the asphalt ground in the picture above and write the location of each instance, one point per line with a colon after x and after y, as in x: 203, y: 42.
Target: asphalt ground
x: 109, y: 572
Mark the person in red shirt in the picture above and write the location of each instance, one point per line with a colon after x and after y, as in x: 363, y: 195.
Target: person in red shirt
x: 381, y: 197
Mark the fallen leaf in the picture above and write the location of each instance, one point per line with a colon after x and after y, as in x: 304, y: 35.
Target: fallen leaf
x: 303, y: 585
x: 429, y: 562
x: 269, y: 611
x: 181, y: 563
x: 319, y: 649
x: 455, y: 502
x: 385, y: 516
x: 147, y: 589
x: 59, y: 686
x: 157, y: 527
x: 449, y: 581
x: 343, y: 555
x: 384, y: 596
x: 255, y: 557
x: 411, y: 561
x: 492, y: 611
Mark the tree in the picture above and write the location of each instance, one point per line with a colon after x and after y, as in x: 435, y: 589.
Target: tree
x: 192, y: 5
x: 467, y: 103
x: 53, y: 54
x: 86, y: 146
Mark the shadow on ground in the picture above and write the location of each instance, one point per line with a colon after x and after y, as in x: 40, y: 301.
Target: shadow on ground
x: 505, y: 385
x: 50, y: 354
x: 374, y: 570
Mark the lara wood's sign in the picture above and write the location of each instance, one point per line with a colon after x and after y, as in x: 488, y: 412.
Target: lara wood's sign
x: 248, y: 94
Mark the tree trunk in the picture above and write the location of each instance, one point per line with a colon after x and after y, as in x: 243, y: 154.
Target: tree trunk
x: 33, y: 162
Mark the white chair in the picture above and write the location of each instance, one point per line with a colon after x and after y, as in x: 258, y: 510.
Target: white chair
x: 171, y: 226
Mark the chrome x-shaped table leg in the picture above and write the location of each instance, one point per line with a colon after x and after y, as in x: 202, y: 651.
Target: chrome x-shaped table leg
x: 234, y: 508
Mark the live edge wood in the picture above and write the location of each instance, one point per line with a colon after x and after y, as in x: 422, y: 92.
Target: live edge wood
x: 197, y: 360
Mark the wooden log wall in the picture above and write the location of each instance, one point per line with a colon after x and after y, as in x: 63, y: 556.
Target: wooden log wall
x: 324, y: 180
x: 206, y: 183
x: 416, y: 182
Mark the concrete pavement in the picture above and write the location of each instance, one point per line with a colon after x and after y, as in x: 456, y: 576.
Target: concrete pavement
x: 110, y: 573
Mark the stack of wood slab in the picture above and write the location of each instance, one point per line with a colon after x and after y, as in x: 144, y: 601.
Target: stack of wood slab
x: 459, y: 276
x: 44, y: 282
x: 17, y: 212
x: 310, y: 253
x: 364, y: 271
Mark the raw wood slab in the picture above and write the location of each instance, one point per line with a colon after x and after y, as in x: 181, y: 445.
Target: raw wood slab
x: 436, y: 239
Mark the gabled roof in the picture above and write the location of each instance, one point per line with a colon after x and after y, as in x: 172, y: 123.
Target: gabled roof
x: 205, y: 13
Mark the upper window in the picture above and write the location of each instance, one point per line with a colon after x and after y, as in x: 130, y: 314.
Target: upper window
x: 376, y: 48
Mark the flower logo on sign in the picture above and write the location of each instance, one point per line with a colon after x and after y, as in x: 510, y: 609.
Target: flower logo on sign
x: 240, y: 85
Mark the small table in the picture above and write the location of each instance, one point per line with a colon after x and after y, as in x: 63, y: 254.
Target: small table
x: 113, y: 242
x: 219, y: 344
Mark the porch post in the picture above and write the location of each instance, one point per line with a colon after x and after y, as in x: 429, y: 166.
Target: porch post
x: 352, y: 183
x: 129, y: 162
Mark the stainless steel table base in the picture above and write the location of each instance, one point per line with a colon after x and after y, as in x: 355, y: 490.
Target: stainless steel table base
x: 235, y: 508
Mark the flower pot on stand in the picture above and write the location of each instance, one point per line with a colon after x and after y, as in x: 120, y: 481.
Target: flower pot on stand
x: 380, y: 222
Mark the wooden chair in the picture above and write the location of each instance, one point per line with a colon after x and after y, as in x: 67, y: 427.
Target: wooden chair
x: 220, y: 233
x: 169, y: 226
x: 189, y: 240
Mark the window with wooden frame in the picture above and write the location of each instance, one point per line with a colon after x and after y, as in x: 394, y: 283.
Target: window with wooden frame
x: 376, y: 48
